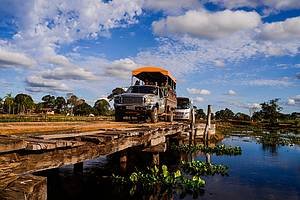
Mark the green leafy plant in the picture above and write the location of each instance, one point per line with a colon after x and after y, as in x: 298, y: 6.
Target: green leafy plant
x: 218, y: 149
x: 203, y: 168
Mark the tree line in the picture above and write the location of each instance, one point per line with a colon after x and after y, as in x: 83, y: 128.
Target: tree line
x: 269, y: 112
x: 71, y: 105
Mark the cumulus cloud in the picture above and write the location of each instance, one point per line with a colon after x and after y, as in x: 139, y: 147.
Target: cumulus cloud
x: 15, y: 59
x: 74, y: 73
x: 198, y: 91
x: 269, y: 4
x: 198, y: 99
x: 121, y: 68
x: 284, y: 30
x: 206, y: 25
x: 219, y: 63
x: 294, y: 101
x: 270, y: 82
x: 37, y: 83
x: 298, y: 75
x: 231, y: 93
x: 171, y: 6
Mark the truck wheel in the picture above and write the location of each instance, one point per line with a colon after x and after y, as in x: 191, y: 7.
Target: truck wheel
x: 154, y: 115
x: 118, y: 117
x: 170, y: 116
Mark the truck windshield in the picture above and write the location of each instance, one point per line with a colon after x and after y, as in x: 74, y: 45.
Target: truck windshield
x: 183, y: 103
x: 142, y: 89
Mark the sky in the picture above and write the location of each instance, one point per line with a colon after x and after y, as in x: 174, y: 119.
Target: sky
x: 229, y: 54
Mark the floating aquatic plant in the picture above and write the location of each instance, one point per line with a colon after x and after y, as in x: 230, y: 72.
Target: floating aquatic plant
x: 218, y: 149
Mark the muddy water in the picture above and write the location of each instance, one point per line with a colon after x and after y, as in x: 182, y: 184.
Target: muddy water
x: 263, y: 171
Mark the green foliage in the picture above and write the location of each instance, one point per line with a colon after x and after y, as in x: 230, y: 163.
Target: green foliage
x: 115, y: 92
x: 218, y: 149
x: 48, y: 101
x: 200, y: 168
x: 146, y: 181
x: 270, y: 110
x: 23, y: 102
x: 200, y: 114
x: 224, y: 114
x: 83, y: 109
x: 102, y: 107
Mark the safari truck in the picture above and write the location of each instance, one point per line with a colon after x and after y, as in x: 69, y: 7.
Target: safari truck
x: 153, y: 95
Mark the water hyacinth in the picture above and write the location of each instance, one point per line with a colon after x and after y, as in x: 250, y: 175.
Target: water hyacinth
x: 218, y: 149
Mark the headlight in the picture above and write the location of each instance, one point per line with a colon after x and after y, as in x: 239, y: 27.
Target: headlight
x: 149, y: 100
x: 118, y: 99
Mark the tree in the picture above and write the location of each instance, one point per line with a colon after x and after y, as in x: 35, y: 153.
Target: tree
x: 83, y: 109
x: 48, y: 101
x: 242, y: 117
x: 60, y: 104
x: 1, y: 102
x: 115, y: 92
x: 200, y: 114
x: 72, y: 101
x: 224, y: 114
x: 9, y: 102
x: 102, y: 107
x: 270, y: 110
x: 23, y: 102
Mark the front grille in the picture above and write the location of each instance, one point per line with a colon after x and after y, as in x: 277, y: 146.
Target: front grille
x: 132, y: 100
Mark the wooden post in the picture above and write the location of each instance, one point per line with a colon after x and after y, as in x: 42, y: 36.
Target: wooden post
x: 155, y: 158
x: 78, y: 168
x: 207, y: 127
x: 192, y: 136
x: 123, y: 161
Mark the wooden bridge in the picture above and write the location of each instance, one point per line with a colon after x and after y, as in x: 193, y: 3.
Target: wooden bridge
x: 22, y: 154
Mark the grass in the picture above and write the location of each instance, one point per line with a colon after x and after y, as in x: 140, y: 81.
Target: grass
x: 49, y: 118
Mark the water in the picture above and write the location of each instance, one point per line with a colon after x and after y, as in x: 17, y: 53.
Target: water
x: 263, y: 171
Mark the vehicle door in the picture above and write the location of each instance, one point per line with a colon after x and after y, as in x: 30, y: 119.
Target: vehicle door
x: 161, y: 101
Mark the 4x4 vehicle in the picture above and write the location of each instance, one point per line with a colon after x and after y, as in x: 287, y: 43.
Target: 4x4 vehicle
x: 152, y: 96
x: 184, y: 110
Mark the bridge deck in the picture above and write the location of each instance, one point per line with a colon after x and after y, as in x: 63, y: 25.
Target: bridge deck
x: 30, y: 147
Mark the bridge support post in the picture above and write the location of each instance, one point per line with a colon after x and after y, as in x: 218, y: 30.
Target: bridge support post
x: 155, y: 158
x: 123, y: 161
x: 78, y: 168
x: 206, y: 133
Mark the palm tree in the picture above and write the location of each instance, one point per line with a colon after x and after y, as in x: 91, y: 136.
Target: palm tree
x: 9, y: 101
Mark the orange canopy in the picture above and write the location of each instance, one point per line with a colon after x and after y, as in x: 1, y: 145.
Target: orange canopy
x: 138, y: 72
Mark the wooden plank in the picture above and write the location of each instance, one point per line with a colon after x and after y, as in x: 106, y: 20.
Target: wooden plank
x: 11, y: 144
x: 158, y: 148
x: 37, y: 144
x: 26, y: 187
x: 157, y: 141
x: 67, y: 135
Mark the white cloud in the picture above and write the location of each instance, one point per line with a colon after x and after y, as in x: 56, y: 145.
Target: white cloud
x: 270, y: 82
x: 121, y: 68
x: 207, y: 25
x: 198, y: 91
x: 231, y: 93
x: 171, y: 6
x: 283, y: 30
x: 270, y: 4
x: 198, y: 99
x: 15, y: 59
x: 291, y: 102
x: 219, y: 63
x: 38, y: 83
x: 294, y: 101
x: 71, y: 73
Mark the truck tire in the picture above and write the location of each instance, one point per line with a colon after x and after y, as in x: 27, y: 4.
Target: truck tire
x: 118, y: 116
x: 170, y: 116
x: 154, y: 115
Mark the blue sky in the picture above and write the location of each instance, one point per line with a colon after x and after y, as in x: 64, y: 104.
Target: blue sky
x: 233, y: 54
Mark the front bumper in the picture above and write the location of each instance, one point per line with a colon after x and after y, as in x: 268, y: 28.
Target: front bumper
x: 133, y: 109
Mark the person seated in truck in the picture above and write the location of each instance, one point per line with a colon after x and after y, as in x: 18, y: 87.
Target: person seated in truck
x: 137, y: 82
